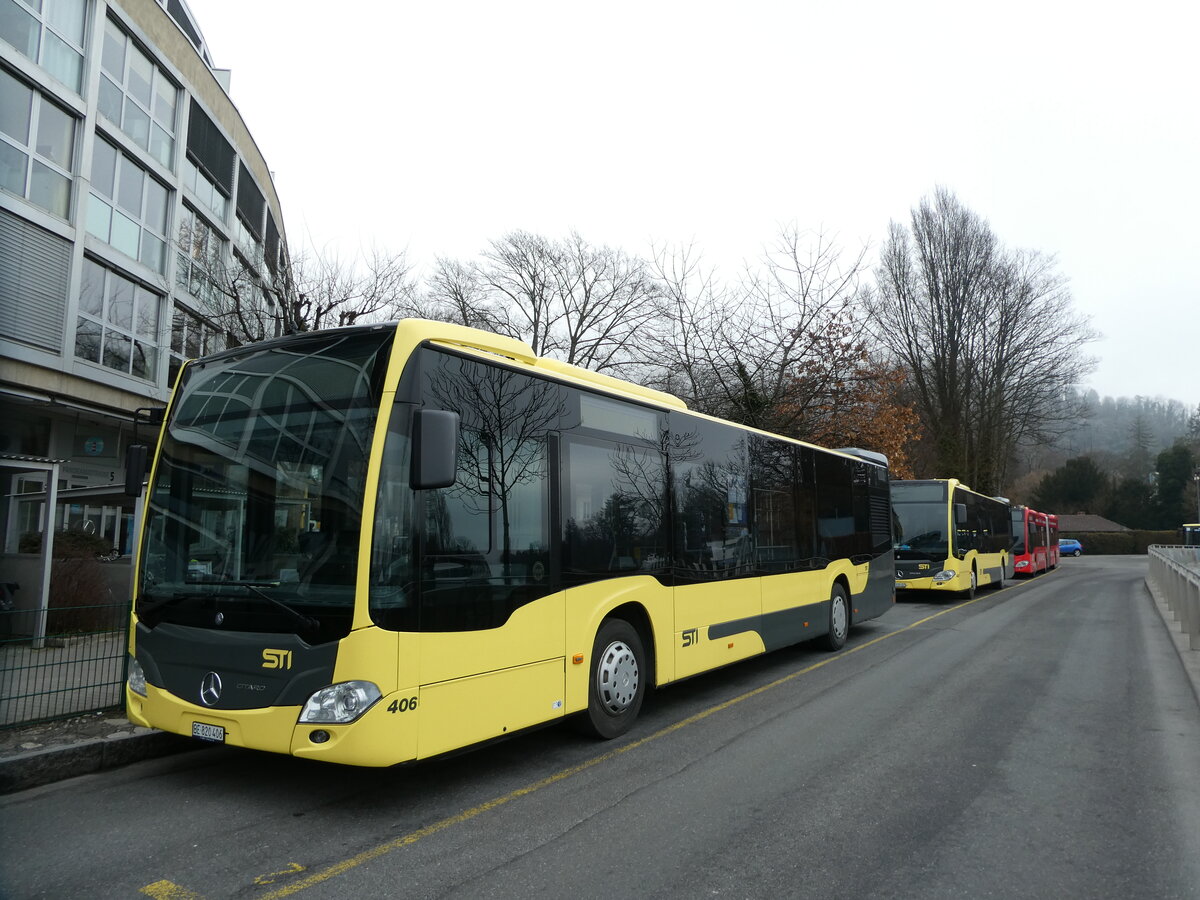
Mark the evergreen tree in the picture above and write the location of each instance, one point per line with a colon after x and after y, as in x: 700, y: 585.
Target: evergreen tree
x: 1172, y: 493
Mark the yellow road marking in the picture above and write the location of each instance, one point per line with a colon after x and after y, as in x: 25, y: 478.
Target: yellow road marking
x: 412, y: 837
x: 165, y: 890
x: 270, y: 877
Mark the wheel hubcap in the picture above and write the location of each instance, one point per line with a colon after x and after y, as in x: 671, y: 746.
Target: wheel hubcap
x: 839, y: 617
x: 617, y: 677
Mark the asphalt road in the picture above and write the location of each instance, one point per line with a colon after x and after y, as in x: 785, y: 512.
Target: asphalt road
x: 1040, y: 741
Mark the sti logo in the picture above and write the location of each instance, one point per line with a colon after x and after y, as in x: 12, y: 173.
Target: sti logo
x: 277, y: 659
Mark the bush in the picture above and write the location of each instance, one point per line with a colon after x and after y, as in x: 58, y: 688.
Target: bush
x: 67, y: 544
x: 80, y: 598
x: 1113, y: 543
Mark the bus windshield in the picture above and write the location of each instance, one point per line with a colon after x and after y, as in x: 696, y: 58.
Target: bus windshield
x: 252, y: 522
x: 919, y: 518
x: 1018, y: 531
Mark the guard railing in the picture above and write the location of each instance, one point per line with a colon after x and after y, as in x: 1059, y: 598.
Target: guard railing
x: 1175, y: 573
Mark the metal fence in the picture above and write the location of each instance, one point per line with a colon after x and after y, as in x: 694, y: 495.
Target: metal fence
x: 73, y: 662
x: 1175, y: 572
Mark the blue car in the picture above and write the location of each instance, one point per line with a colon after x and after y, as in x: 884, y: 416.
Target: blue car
x: 1069, y: 547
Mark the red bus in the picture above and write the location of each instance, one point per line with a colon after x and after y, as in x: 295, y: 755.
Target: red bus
x: 1031, y: 541
x: 1052, y: 542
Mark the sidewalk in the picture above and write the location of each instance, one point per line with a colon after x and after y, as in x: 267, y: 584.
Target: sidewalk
x: 33, y: 755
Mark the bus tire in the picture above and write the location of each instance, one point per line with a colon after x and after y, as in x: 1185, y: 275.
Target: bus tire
x: 969, y: 593
x: 839, y: 619
x: 617, y: 683
x: 998, y: 584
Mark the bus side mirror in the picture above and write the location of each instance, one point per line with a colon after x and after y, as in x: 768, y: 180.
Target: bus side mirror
x: 435, y: 449
x: 960, y: 514
x: 136, y: 456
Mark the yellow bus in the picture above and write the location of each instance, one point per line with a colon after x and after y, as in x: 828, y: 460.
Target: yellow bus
x: 949, y: 538
x: 1189, y: 535
x: 383, y: 543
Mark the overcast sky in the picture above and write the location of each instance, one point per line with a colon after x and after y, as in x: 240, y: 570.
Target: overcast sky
x: 1073, y: 128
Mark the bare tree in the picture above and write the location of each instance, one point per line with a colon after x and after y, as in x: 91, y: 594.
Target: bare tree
x: 608, y: 297
x: 254, y: 301
x: 684, y: 343
x: 518, y: 268
x: 770, y: 352
x: 457, y: 293
x: 582, y: 304
x: 330, y: 293
x: 987, y: 336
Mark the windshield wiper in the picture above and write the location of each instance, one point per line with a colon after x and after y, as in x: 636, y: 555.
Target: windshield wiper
x: 255, y: 587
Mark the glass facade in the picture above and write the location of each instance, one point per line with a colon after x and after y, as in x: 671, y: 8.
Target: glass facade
x: 118, y: 193
x: 191, y: 337
x: 37, y: 146
x: 136, y: 95
x: 129, y: 207
x: 117, y: 325
x: 49, y: 33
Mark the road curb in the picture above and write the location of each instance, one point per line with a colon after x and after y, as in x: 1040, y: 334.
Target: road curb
x: 45, y: 766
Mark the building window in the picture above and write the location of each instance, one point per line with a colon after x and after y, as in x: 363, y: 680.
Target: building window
x: 128, y: 207
x: 137, y: 96
x: 191, y: 338
x: 117, y: 325
x: 200, y: 259
x: 48, y: 32
x: 248, y: 228
x: 37, y: 146
x: 205, y: 190
x: 209, y: 166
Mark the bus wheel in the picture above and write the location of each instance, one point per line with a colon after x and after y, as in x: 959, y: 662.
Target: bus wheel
x: 998, y: 584
x: 969, y: 593
x: 618, y: 680
x: 839, y: 619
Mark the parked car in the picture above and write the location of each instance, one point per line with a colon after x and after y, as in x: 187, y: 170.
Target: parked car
x: 1069, y: 547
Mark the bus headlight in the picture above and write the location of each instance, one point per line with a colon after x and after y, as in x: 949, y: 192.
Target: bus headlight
x: 1023, y: 564
x: 340, y: 704
x: 137, y: 678
x: 944, y: 576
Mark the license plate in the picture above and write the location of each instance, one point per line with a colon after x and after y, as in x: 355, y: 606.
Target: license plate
x: 206, y: 732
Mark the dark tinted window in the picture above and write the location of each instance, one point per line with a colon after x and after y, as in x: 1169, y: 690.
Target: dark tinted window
x: 773, y: 519
x: 842, y: 517
x: 614, y: 500
x: 485, y: 550
x: 806, y: 507
x: 393, y: 595
x: 711, y: 470
x: 986, y: 529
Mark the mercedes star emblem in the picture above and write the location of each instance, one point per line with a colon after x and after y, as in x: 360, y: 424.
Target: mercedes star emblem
x: 210, y: 689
